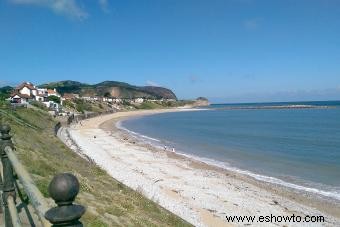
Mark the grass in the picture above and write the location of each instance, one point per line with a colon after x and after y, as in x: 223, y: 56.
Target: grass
x: 108, y: 202
x: 149, y: 105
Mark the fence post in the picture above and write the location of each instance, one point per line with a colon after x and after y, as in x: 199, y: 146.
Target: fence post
x: 63, y: 189
x: 8, y: 178
x: 56, y: 128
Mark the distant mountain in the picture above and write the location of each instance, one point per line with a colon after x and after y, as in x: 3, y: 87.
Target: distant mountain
x: 111, y: 89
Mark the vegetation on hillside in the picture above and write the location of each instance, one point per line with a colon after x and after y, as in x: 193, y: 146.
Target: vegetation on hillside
x: 111, y: 89
x: 5, y: 92
x: 39, y: 105
x: 53, y: 98
x: 108, y: 202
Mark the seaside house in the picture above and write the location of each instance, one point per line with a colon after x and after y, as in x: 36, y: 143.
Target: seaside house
x: 69, y: 96
x: 106, y: 99
x: 138, y: 100
x: 87, y: 98
x: 24, y: 93
x: 116, y: 100
x: 20, y: 98
x: 53, y: 92
x: 27, y: 92
x: 41, y: 95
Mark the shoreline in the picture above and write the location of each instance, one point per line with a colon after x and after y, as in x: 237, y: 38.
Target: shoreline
x: 236, y: 194
x: 221, y: 165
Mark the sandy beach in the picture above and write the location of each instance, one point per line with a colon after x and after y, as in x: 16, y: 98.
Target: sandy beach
x: 197, y: 192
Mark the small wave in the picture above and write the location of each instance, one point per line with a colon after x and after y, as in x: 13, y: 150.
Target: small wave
x: 226, y: 166
x: 119, y: 126
x: 263, y: 178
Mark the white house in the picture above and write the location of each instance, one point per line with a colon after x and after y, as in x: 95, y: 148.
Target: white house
x: 138, y: 100
x: 27, y: 92
x: 53, y: 92
x: 26, y: 88
x: 20, y: 98
x: 24, y: 93
x: 117, y: 100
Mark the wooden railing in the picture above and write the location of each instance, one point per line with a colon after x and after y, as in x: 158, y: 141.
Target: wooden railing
x: 63, y: 189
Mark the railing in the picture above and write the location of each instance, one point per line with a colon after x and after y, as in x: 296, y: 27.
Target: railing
x: 63, y: 189
x: 18, y: 105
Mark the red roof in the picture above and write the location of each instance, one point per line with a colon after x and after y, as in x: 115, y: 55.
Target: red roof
x: 68, y: 96
x: 26, y: 84
x: 21, y: 96
x: 50, y: 91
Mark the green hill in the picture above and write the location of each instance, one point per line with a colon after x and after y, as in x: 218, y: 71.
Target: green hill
x: 111, y: 89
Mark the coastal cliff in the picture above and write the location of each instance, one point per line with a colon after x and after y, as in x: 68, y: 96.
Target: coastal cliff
x: 111, y: 89
x: 201, y: 101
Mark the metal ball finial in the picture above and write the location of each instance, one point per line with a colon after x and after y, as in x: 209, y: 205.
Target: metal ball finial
x: 64, y: 188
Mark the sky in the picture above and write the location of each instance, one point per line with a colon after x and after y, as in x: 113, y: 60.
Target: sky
x: 225, y: 50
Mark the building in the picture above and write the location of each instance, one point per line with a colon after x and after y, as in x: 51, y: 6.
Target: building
x: 27, y: 92
x: 53, y: 92
x: 20, y: 98
x: 117, y: 100
x: 138, y: 100
x: 24, y: 93
x: 69, y: 96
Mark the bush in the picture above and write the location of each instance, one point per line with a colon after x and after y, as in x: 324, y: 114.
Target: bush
x: 39, y: 105
x: 82, y: 106
x: 68, y: 103
x: 149, y: 105
x: 4, y: 104
x: 54, y: 98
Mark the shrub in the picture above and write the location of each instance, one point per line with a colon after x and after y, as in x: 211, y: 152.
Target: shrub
x: 39, y: 105
x: 54, y: 98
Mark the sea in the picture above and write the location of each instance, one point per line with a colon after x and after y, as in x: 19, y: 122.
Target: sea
x: 296, y: 145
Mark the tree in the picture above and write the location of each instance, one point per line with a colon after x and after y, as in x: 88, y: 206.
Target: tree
x: 54, y: 98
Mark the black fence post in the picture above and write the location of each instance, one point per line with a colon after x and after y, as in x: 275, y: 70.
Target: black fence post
x: 63, y: 189
x: 8, y: 178
x: 56, y: 128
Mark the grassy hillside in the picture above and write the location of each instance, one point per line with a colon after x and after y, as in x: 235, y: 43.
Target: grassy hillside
x: 108, y: 202
x: 111, y: 89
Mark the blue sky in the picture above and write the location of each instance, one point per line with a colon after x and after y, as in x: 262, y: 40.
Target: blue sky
x: 226, y: 50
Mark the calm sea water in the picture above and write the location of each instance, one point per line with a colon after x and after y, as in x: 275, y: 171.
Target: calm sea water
x: 296, y: 147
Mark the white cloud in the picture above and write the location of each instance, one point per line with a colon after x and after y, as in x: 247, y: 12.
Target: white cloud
x: 69, y: 8
x: 104, y: 5
x: 152, y: 83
